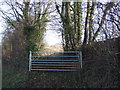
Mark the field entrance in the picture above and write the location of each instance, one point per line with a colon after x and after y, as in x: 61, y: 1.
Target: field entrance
x: 55, y: 61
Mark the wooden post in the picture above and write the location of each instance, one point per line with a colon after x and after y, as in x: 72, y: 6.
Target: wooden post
x: 81, y: 59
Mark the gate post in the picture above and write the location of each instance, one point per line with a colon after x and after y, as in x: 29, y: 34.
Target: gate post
x: 30, y: 59
x: 81, y: 59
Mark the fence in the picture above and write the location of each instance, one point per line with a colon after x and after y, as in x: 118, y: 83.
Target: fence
x: 55, y: 61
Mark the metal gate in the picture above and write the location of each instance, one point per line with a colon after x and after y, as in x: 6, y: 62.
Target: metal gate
x: 55, y: 61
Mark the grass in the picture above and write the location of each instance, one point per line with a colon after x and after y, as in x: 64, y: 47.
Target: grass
x: 38, y: 79
x: 11, y: 76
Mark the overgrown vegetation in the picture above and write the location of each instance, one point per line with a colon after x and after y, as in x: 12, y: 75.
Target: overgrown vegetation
x: 24, y: 32
x: 101, y: 64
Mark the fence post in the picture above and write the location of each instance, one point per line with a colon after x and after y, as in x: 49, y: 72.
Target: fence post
x: 81, y: 58
x: 30, y: 59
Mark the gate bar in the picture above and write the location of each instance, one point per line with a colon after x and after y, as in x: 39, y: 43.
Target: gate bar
x: 57, y: 52
x: 54, y: 56
x: 54, y: 65
x: 51, y: 60
x: 54, y: 69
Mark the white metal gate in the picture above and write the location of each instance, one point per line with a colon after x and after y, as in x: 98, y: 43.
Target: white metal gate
x: 55, y: 61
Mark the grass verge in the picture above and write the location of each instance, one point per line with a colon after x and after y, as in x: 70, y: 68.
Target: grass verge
x: 12, y: 76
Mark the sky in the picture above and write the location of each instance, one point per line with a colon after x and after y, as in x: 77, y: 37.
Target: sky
x: 1, y: 29
x: 52, y: 37
x: 1, y: 21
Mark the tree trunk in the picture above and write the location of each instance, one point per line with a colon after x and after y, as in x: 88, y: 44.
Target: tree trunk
x: 79, y: 25
x: 86, y: 23
x: 91, y: 21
